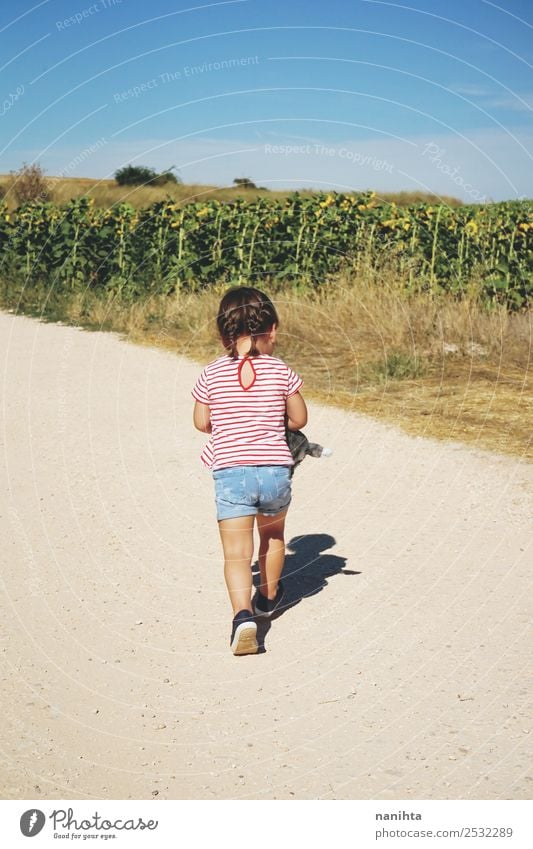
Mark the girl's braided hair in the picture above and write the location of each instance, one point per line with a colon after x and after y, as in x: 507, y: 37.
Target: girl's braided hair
x: 244, y: 311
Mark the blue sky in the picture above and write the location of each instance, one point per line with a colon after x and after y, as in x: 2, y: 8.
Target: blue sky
x: 343, y: 95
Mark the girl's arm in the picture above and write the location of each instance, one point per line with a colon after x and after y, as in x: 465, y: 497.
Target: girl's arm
x: 296, y: 412
x: 202, y: 417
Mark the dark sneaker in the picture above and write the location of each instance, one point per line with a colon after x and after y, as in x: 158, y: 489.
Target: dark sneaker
x: 265, y: 606
x: 243, y: 633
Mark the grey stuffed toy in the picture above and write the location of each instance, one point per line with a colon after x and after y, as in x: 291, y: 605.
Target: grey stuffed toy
x: 300, y: 446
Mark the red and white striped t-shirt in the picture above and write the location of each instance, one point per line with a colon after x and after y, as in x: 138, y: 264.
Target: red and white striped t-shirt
x: 248, y: 425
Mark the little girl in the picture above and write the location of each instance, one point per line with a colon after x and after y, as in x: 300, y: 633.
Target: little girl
x: 243, y: 399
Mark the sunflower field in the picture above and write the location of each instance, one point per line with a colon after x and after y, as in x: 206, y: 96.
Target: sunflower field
x: 168, y: 246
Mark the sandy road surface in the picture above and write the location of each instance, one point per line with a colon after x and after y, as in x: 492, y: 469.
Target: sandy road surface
x: 400, y: 672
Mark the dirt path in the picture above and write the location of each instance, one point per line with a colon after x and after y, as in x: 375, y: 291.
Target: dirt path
x: 401, y: 672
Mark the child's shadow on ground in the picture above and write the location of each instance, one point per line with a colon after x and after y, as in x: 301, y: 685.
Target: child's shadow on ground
x: 305, y: 573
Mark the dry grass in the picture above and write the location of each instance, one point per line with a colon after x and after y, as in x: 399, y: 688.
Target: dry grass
x: 466, y: 401
x: 107, y: 192
x: 372, y: 349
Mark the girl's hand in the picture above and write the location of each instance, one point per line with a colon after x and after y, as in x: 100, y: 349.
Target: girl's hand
x: 202, y: 417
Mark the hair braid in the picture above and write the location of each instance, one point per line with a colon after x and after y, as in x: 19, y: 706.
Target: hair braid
x: 232, y: 324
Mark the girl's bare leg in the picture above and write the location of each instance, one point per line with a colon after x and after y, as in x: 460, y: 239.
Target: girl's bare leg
x: 271, y: 551
x: 238, y: 544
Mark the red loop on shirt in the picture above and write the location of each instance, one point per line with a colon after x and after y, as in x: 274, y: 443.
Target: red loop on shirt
x: 247, y: 359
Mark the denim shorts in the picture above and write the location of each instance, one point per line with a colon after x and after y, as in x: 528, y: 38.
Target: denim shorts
x: 247, y: 490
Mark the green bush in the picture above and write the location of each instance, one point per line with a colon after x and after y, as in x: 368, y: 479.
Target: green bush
x: 140, y: 175
x: 244, y: 183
